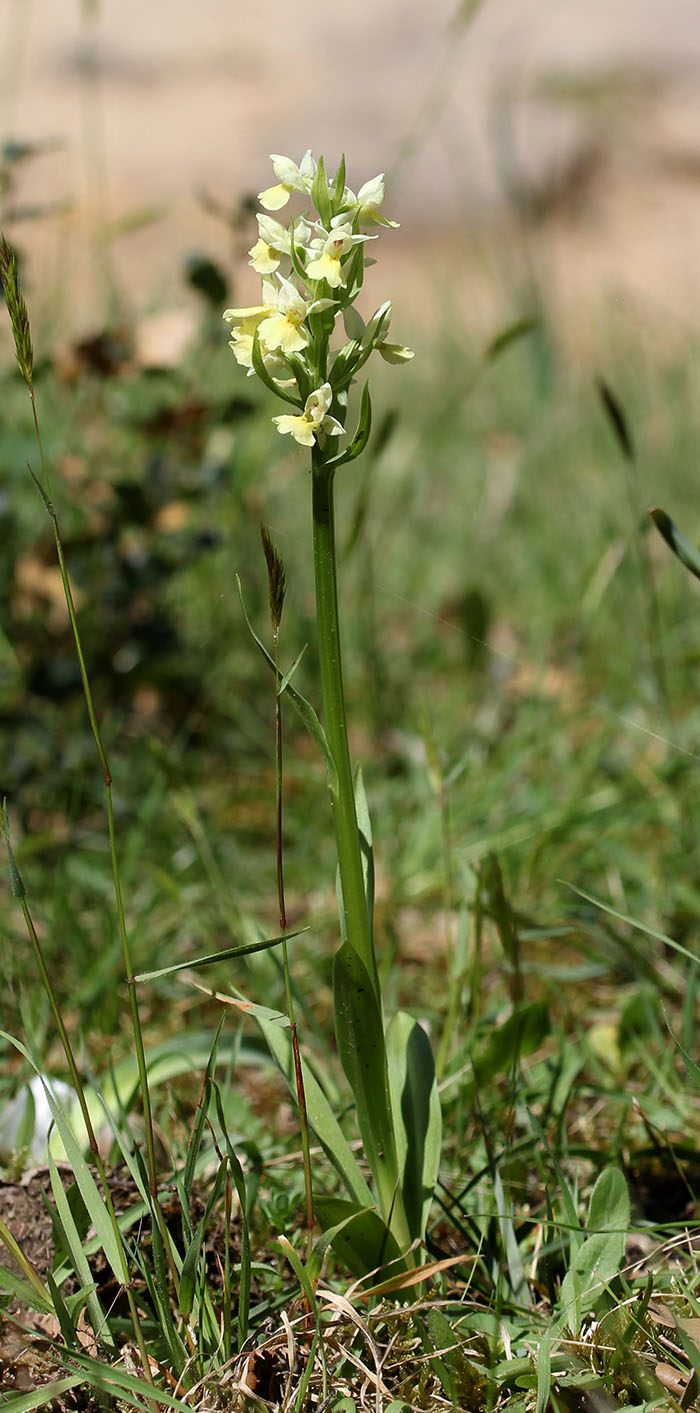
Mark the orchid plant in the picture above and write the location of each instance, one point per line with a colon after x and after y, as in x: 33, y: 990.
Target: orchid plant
x: 307, y: 342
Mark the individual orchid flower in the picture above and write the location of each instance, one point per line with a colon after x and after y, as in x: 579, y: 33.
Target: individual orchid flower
x: 314, y: 419
x: 279, y: 319
x: 367, y: 202
x: 332, y: 246
x: 369, y: 199
x: 254, y: 313
x: 290, y: 177
x: 283, y: 327
x: 274, y: 241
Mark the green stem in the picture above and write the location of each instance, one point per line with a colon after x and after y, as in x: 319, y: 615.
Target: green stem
x: 357, y: 921
x: 298, y: 1072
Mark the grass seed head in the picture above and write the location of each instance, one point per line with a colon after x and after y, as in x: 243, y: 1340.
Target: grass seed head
x: 17, y: 310
x: 276, y: 577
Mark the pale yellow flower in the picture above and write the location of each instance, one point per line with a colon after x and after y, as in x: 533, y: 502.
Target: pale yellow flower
x: 314, y: 419
x: 367, y: 202
x: 331, y: 249
x: 274, y: 242
x: 283, y: 326
x: 290, y: 177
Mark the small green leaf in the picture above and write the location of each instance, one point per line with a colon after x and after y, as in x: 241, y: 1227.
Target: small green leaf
x: 339, y: 183
x: 361, y: 437
x: 286, y: 679
x: 319, y: 194
x: 354, y: 324
x: 244, y: 950
x: 598, y: 1260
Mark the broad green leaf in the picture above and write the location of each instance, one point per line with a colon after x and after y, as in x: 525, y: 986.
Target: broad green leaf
x: 417, y: 1115
x: 362, y: 1241
x: 609, y: 1208
x: 331, y: 1233
x: 597, y: 1261
x: 320, y: 1114
x: 361, y: 1047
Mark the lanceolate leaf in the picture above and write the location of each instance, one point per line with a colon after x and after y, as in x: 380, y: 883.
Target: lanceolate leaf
x: 361, y: 437
x: 417, y: 1116
x: 598, y: 1260
x: 360, y: 1037
x: 224, y: 956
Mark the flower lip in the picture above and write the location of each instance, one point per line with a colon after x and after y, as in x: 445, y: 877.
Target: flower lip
x: 314, y: 419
